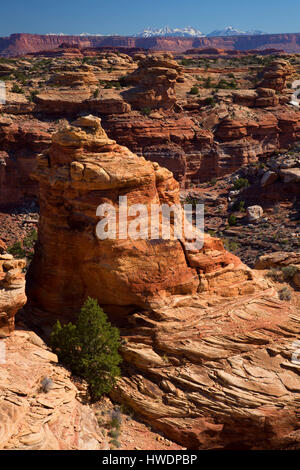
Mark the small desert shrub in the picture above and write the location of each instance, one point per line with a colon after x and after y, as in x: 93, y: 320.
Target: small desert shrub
x: 285, y: 294
x: 275, y: 274
x: 238, y: 206
x: 96, y: 93
x: 115, y: 425
x: 90, y: 348
x: 33, y: 95
x: 240, y: 183
x: 46, y: 385
x: 146, y: 111
x: 116, y: 418
x: 210, y: 101
x: 289, y: 272
x: 16, y: 250
x: 115, y: 443
x: 232, y: 220
x: 230, y: 245
x: 194, y: 90
x: 117, y: 85
x: 208, y: 83
x: 224, y: 84
x: 16, y: 89
x: 24, y: 248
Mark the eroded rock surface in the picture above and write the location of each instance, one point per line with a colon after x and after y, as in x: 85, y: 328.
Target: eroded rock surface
x: 207, y: 345
x: 12, y: 290
x: 36, y: 419
x: 276, y: 75
x: 83, y: 169
x: 216, y: 374
x: 154, y: 83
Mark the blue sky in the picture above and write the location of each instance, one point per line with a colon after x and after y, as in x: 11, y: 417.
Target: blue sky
x: 130, y: 16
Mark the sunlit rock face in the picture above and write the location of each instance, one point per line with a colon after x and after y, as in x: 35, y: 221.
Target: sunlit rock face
x: 12, y: 290
x: 207, y: 346
x: 153, y: 83
x: 82, y: 170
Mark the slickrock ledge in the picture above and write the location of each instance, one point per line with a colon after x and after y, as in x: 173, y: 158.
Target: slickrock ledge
x: 35, y: 419
x: 207, y: 346
x: 215, y: 374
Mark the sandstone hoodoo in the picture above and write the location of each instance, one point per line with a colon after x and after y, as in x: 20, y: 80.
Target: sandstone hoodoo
x: 12, y: 290
x: 82, y: 170
x: 153, y: 83
x: 207, y: 346
x: 277, y: 74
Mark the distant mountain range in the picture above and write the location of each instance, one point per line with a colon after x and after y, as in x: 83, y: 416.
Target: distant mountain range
x: 167, y: 32
x: 22, y: 43
x: 230, y: 31
x: 186, y: 32
x: 189, y: 32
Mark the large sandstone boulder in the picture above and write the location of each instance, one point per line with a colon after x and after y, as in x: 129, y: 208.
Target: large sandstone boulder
x: 254, y: 213
x: 153, y: 83
x: 282, y: 259
x: 74, y: 101
x: 21, y: 140
x: 276, y: 75
x: 74, y: 79
x: 12, y: 291
x: 290, y: 175
x: 277, y: 259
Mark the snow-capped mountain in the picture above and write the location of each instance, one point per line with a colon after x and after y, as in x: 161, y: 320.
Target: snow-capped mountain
x: 72, y: 34
x: 188, y: 31
x: 230, y: 31
x: 166, y: 31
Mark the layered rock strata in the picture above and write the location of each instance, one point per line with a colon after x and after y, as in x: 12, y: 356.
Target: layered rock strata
x: 82, y: 170
x: 34, y: 416
x: 153, y: 83
x: 12, y: 291
x: 209, y: 350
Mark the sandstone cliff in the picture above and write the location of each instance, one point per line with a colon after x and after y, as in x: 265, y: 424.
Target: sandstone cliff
x: 208, y: 348
x: 19, y: 44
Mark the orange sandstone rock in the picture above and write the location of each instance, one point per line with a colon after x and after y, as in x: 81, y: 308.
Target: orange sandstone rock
x: 207, y: 345
x: 12, y: 291
x: 83, y: 169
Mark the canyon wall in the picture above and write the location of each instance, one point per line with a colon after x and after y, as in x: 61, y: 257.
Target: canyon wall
x: 18, y: 44
x: 206, y: 343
